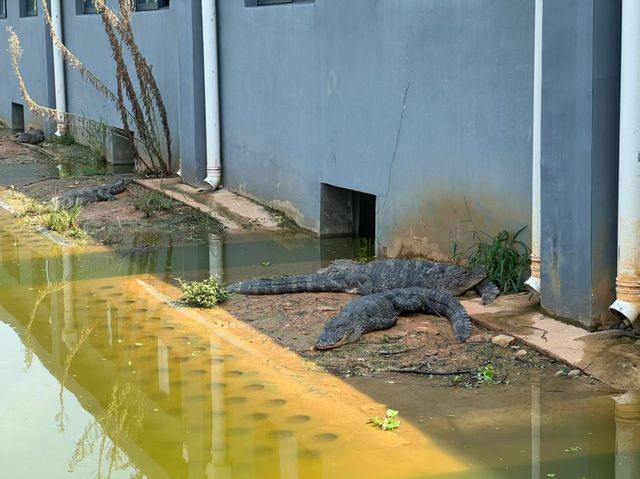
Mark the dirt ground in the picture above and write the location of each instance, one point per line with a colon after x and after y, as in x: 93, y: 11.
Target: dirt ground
x: 419, y: 342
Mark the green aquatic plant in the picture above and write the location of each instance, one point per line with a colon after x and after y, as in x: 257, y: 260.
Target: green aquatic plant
x: 387, y: 423
x: 203, y: 294
x: 152, y: 201
x: 486, y: 373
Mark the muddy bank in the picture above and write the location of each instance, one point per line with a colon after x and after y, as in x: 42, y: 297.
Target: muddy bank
x: 418, y: 341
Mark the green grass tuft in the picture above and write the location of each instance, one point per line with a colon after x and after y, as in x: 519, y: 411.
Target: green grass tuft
x: 152, y: 201
x: 203, y: 294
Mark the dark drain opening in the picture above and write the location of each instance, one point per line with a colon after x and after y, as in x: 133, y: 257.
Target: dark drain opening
x: 345, y: 212
x: 17, y: 117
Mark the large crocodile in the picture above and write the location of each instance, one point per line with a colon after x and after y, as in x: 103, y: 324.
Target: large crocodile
x: 381, y: 310
x: 32, y: 137
x: 104, y: 192
x: 374, y: 277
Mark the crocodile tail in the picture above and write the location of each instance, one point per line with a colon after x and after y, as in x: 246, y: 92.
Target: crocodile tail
x: 488, y: 290
x: 448, y: 306
x: 302, y: 283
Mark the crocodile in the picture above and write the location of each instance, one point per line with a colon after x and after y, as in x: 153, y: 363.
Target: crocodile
x: 104, y: 192
x: 381, y: 310
x: 352, y: 277
x: 32, y: 137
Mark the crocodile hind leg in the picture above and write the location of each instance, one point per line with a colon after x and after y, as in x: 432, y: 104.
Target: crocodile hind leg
x: 487, y: 290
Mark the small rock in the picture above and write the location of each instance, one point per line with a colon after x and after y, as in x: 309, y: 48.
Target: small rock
x: 559, y: 373
x: 503, y: 340
x: 521, y: 354
x: 480, y: 338
x: 574, y: 373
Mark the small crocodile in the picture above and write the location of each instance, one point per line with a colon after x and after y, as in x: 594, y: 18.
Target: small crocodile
x: 32, y: 137
x: 104, y: 192
x: 352, y: 277
x: 381, y: 310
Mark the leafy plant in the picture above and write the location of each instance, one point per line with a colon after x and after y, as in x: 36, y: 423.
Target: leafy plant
x: 65, y: 221
x: 64, y: 140
x: 504, y: 256
x: 486, y: 374
x: 387, y: 423
x: 203, y: 294
x: 151, y: 201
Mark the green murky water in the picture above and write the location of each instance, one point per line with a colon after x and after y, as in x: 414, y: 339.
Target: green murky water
x: 102, y: 378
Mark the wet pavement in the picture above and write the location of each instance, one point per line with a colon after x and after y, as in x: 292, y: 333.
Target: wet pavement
x: 104, y: 377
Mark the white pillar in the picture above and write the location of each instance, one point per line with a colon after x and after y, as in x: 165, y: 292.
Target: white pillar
x: 533, y: 283
x: 627, y: 304
x: 58, y: 69
x: 211, y: 93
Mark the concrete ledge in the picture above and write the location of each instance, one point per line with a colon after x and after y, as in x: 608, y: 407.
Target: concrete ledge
x: 235, y: 212
x: 612, y: 357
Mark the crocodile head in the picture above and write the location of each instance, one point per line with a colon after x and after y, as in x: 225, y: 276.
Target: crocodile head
x: 339, y: 330
x: 464, y: 280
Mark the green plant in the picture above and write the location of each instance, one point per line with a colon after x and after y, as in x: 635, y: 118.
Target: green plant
x: 151, y: 201
x: 65, y: 221
x: 203, y: 294
x: 504, y: 256
x: 486, y: 373
x: 64, y: 140
x: 387, y: 423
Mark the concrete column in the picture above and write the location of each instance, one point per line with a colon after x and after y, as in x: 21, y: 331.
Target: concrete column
x: 533, y: 283
x: 58, y: 69
x: 627, y: 305
x: 579, y: 145
x: 190, y: 86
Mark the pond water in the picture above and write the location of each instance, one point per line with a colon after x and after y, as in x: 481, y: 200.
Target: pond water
x: 102, y: 376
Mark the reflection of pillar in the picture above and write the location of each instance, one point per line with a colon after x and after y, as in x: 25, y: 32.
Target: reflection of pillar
x: 163, y: 368
x: 193, y: 448
x: 627, y: 413
x: 218, y: 467
x: 216, y: 267
x: 288, y: 457
x: 69, y: 332
x: 535, y: 428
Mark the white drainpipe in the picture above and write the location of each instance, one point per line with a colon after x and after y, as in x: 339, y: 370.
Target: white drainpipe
x: 58, y: 70
x: 211, y: 94
x: 533, y: 283
x: 627, y: 304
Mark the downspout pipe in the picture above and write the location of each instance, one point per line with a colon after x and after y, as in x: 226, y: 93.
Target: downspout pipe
x: 533, y: 283
x: 627, y: 304
x: 211, y: 92
x: 58, y: 70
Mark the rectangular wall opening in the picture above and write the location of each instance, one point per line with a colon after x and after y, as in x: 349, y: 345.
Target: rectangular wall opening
x: 345, y: 212
x: 17, y: 117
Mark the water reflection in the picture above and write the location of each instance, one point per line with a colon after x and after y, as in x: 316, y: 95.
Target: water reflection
x: 627, y: 414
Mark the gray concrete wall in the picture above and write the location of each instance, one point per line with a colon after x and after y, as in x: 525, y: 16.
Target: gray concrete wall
x: 164, y: 39
x: 580, y: 117
x: 36, y: 66
x: 421, y: 102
